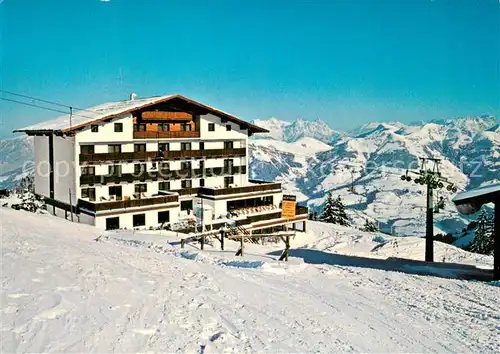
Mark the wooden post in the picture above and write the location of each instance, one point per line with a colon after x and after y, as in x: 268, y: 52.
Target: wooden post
x: 222, y: 240
x: 70, y: 205
x: 182, y: 243
x: 304, y: 226
x: 496, y: 240
x: 242, y: 243
x: 202, y: 240
x: 287, y: 247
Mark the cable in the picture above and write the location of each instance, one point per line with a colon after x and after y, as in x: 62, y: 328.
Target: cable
x: 32, y: 105
x: 41, y: 107
x: 45, y: 101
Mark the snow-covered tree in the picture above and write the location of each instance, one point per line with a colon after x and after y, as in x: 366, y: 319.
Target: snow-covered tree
x: 334, y: 211
x: 483, y: 237
x: 28, y: 200
x: 341, y: 216
x: 369, y: 226
x: 329, y: 212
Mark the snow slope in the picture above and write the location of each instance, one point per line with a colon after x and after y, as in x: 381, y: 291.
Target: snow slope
x: 64, y: 292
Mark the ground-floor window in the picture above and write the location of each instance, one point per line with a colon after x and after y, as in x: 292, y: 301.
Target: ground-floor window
x: 139, y: 220
x: 112, y: 223
x: 163, y: 216
x: 187, y: 205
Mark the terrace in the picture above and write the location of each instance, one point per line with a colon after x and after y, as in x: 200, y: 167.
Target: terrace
x: 96, y: 206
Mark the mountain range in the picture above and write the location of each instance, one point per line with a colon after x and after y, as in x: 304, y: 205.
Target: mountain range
x: 363, y: 166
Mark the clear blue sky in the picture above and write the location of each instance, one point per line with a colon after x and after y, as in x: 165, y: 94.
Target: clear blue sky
x: 346, y: 62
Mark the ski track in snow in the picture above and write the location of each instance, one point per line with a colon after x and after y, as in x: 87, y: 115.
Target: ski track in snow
x: 112, y: 296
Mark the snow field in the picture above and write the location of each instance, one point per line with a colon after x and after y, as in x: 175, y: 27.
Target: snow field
x: 63, y: 291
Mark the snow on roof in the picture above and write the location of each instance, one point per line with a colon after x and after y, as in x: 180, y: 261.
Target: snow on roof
x: 91, y: 114
x: 83, y: 117
x: 477, y: 192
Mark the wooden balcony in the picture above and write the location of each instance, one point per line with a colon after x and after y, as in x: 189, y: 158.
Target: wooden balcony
x: 153, y: 155
x: 264, y: 187
x: 165, y: 135
x: 211, y: 153
x: 161, y: 175
x: 124, y: 204
x: 118, y: 156
x: 168, y: 116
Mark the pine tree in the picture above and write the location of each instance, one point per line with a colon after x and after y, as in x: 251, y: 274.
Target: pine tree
x: 483, y: 237
x: 369, y: 226
x: 329, y: 212
x: 340, y: 214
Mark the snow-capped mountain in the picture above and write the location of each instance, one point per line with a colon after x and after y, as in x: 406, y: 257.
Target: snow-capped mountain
x: 294, y: 131
x: 16, y: 155
x: 365, y: 165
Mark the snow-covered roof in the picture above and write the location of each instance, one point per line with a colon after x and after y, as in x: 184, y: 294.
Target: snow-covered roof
x: 478, y: 192
x: 81, y: 118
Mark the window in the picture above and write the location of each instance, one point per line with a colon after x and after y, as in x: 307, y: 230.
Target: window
x: 185, y: 165
x: 228, y: 127
x: 116, y: 191
x: 139, y: 168
x: 211, y: 127
x: 163, y: 216
x: 87, y: 149
x: 140, y: 127
x: 165, y: 166
x: 187, y: 183
x: 88, y: 171
x: 162, y: 147
x: 88, y: 193
x: 112, y: 223
x: 186, y: 127
x: 228, y: 163
x: 164, y: 186
x: 202, y: 146
x: 94, y: 128
x: 202, y: 165
x: 202, y: 182
x: 228, y: 181
x: 141, y: 188
x: 163, y: 127
x: 185, y: 146
x: 228, y: 144
x: 115, y: 170
x: 187, y: 205
x: 139, y: 147
x: 118, y: 127
x: 139, y: 220
x: 114, y: 148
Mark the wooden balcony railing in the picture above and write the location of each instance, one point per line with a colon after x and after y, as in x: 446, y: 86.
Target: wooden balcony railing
x: 165, y: 135
x: 159, y: 175
x: 236, y: 190
x: 153, y: 155
x: 123, y: 204
x: 212, y: 153
x: 118, y: 156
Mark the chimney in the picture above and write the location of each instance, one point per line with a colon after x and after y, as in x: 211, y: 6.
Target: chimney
x: 132, y: 96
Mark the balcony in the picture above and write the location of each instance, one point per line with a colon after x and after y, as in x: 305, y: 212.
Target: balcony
x: 160, y: 175
x: 124, y: 204
x: 212, y: 153
x: 165, y: 135
x: 118, y: 156
x: 260, y: 187
x: 154, y: 155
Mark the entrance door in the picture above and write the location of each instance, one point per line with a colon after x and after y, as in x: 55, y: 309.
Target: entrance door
x: 112, y: 223
x: 116, y: 191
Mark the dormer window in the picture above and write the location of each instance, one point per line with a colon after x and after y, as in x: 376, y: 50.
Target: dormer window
x: 94, y: 128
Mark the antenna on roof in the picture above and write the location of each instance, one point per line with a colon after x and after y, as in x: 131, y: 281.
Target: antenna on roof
x: 132, y: 96
x: 70, y: 115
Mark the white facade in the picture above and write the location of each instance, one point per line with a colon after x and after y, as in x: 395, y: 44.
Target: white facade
x: 130, y: 201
